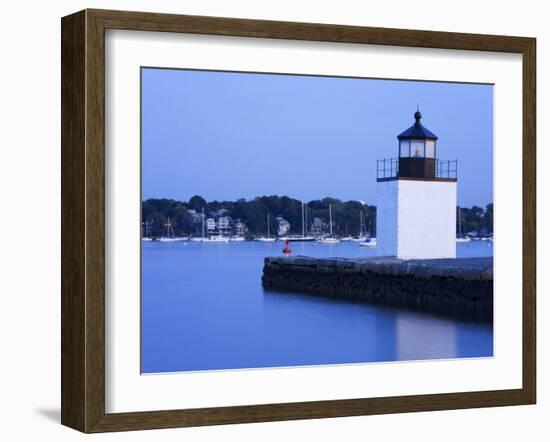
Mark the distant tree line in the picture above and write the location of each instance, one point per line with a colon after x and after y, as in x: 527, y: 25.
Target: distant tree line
x: 185, y: 217
x: 476, y: 220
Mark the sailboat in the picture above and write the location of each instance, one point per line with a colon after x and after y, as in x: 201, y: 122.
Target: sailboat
x: 303, y: 237
x: 268, y: 237
x: 202, y: 237
x: 216, y: 238
x: 347, y: 237
x: 361, y: 237
x: 330, y: 239
x: 170, y: 237
x: 146, y: 236
x: 364, y: 239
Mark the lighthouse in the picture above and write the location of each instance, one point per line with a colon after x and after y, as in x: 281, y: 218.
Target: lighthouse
x: 416, y: 198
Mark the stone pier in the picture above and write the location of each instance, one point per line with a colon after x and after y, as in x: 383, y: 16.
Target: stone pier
x: 461, y: 287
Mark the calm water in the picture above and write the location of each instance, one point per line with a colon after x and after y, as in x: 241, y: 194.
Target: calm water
x: 204, y: 308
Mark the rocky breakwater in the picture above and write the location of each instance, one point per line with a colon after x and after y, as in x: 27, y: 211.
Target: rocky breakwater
x: 461, y: 287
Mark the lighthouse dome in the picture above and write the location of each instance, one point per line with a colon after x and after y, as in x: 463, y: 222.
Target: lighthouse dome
x: 417, y: 131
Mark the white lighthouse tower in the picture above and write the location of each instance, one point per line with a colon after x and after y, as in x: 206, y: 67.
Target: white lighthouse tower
x: 416, y: 201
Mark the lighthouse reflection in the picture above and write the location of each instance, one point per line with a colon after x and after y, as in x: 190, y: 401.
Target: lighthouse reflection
x: 419, y: 337
x: 309, y: 330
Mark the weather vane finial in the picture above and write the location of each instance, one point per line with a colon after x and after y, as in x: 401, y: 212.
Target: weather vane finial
x: 417, y: 114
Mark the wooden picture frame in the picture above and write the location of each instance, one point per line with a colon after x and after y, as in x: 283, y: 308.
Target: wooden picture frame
x: 83, y: 220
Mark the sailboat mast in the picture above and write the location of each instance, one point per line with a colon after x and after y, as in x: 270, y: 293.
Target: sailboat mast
x: 268, y: 225
x: 330, y: 218
x: 360, y: 223
x: 202, y: 224
x: 305, y: 218
x: 303, y: 222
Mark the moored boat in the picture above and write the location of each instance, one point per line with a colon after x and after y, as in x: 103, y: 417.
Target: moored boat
x: 216, y: 239
x: 297, y: 238
x: 201, y: 238
x: 173, y: 239
x: 329, y: 239
x: 267, y: 238
x: 362, y: 237
x: 170, y: 237
x: 369, y: 242
x: 304, y: 237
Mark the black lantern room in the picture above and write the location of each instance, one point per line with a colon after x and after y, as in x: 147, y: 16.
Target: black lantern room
x: 417, y: 151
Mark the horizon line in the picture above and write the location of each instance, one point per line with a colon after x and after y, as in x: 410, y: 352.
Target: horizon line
x: 281, y: 196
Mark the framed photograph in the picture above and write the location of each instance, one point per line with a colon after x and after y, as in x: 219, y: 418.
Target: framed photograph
x: 267, y: 220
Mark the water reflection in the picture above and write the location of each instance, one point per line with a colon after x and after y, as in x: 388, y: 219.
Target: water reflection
x: 420, y: 337
x: 203, y: 308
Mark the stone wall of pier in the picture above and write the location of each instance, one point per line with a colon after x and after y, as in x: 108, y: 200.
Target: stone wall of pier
x: 460, y: 288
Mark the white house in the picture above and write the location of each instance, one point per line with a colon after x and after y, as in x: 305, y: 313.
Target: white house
x: 210, y: 224
x: 239, y: 228
x: 224, y: 223
x: 416, y: 199
x: 283, y: 226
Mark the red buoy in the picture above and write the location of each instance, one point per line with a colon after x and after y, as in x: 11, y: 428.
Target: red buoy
x: 287, y: 250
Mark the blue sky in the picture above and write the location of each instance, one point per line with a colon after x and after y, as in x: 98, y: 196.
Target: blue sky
x: 226, y: 135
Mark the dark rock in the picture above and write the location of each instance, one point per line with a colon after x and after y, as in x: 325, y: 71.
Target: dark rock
x: 461, y: 287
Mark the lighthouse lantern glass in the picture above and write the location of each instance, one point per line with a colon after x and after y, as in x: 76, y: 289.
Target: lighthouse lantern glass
x: 404, y: 146
x: 417, y: 148
x: 430, y: 148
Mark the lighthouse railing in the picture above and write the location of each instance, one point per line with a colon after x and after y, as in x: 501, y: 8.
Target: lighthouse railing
x: 387, y: 168
x: 446, y: 169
